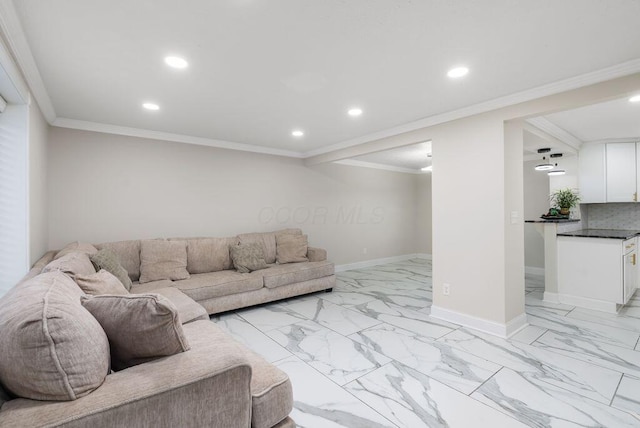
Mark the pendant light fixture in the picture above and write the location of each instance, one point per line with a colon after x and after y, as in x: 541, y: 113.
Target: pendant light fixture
x: 555, y: 170
x: 545, y: 165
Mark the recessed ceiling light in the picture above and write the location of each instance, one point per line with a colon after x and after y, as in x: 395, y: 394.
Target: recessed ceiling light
x: 635, y: 99
x: 427, y: 168
x: 354, y: 112
x: 297, y: 133
x: 456, y: 72
x: 151, y: 106
x: 176, y: 62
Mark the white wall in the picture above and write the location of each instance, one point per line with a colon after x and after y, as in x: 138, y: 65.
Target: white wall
x: 38, y: 195
x: 423, y: 214
x: 106, y: 187
x: 536, y: 203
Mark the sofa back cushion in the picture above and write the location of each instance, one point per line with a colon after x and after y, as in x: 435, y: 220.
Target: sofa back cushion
x: 163, y: 260
x: 101, y: 282
x: 108, y: 260
x: 267, y: 240
x: 73, y: 263
x: 208, y: 254
x: 291, y: 248
x: 52, y: 348
x: 129, y: 255
x: 140, y: 327
x: 81, y: 247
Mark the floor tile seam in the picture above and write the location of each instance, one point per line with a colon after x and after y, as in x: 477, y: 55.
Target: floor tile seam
x: 621, y: 327
x: 616, y: 391
x: 546, y: 330
x: 584, y: 397
x: 595, y: 340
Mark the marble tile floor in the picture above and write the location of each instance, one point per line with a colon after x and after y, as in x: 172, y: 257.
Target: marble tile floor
x: 370, y: 355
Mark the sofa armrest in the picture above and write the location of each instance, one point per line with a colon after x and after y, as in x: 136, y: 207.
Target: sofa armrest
x: 193, y: 388
x: 316, y: 254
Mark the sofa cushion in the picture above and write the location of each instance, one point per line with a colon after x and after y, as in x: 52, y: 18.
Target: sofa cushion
x: 204, y: 286
x: 248, y: 257
x: 81, y: 247
x: 279, y: 275
x: 74, y: 263
x: 268, y: 241
x: 52, y: 348
x: 101, y: 282
x: 188, y: 309
x: 291, y: 248
x: 150, y: 287
x: 208, y: 254
x: 109, y: 260
x: 129, y: 255
x: 140, y: 327
x: 163, y: 260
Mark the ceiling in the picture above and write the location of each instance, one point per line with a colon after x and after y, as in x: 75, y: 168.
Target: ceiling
x: 259, y: 69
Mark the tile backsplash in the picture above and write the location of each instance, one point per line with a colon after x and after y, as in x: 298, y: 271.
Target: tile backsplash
x: 612, y: 216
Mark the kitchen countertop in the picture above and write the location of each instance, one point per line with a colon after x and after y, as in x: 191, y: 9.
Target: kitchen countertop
x: 602, y: 233
x: 557, y: 220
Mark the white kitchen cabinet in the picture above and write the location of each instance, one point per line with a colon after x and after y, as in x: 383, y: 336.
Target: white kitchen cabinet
x: 597, y: 273
x: 591, y: 173
x: 621, y: 177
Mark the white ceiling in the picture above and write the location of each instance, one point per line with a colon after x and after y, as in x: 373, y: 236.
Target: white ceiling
x: 260, y: 68
x: 410, y: 158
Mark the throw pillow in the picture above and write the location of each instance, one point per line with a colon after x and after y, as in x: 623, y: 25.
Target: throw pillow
x: 74, y: 263
x: 52, y: 348
x: 163, y: 260
x: 81, y: 247
x: 140, y: 327
x: 248, y: 257
x: 291, y: 248
x: 108, y: 260
x: 101, y: 282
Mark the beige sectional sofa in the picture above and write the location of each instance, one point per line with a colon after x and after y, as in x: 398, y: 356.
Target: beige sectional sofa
x: 213, y: 382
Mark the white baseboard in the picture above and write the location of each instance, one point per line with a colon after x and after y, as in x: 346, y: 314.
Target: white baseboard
x: 375, y: 262
x: 585, y: 302
x: 532, y: 270
x: 550, y: 297
x: 491, y: 327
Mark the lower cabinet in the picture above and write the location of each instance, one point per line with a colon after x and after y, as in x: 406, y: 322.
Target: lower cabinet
x: 597, y: 273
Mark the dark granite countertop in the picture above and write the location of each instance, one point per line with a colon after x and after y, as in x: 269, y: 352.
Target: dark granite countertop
x: 557, y: 220
x: 602, y: 233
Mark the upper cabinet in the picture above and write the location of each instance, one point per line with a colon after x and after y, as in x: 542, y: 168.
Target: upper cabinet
x: 609, y: 172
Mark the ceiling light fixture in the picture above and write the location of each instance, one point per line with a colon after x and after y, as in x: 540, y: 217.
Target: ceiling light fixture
x: 297, y: 133
x: 151, y: 106
x: 556, y: 170
x: 635, y: 99
x: 176, y: 62
x: 457, y: 72
x: 427, y: 168
x: 545, y: 165
x: 355, y: 112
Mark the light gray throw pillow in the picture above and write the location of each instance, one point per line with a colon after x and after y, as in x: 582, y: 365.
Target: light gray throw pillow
x: 291, y: 248
x: 248, y: 257
x: 101, y: 282
x: 108, y: 260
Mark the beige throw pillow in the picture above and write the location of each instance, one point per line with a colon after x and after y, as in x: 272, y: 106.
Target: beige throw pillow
x: 81, y: 247
x: 140, y: 327
x: 108, y: 260
x: 163, y: 260
x: 73, y: 263
x: 291, y: 248
x: 51, y: 348
x: 101, y: 282
x: 248, y: 257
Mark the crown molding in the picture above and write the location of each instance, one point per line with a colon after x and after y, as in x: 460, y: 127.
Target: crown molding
x: 602, y: 75
x: 14, y: 35
x: 373, y: 165
x: 167, y: 136
x: 615, y: 140
x: 555, y: 131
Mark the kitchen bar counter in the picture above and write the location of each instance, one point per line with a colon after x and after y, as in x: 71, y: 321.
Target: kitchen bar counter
x: 602, y: 233
x: 558, y: 220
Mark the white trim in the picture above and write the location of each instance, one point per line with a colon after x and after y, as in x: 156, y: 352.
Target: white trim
x: 491, y: 327
x: 554, y: 130
x: 375, y: 262
x: 609, y: 73
x: 584, y: 302
x: 373, y: 165
x: 532, y: 270
x: 550, y: 297
x: 167, y: 136
x: 614, y: 140
x: 12, y: 29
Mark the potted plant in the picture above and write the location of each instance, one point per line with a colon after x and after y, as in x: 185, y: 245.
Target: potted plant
x: 565, y: 199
